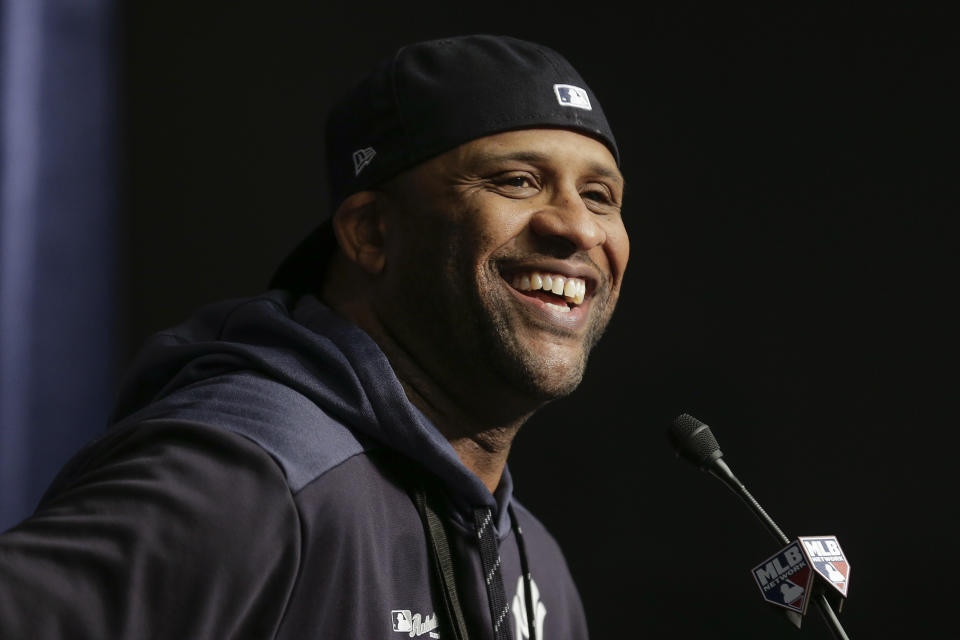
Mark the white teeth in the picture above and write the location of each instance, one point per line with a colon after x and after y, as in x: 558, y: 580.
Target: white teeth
x: 558, y: 283
x: 573, y: 289
x: 557, y: 307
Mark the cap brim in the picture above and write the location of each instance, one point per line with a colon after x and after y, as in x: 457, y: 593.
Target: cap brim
x: 303, y: 268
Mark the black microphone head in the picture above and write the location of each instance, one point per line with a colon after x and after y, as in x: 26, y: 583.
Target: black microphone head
x: 693, y: 440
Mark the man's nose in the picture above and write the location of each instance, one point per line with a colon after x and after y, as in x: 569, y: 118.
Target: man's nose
x: 568, y: 221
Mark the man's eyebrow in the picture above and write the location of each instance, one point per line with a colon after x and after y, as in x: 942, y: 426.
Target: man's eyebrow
x: 606, y: 172
x: 522, y: 156
x: 535, y: 157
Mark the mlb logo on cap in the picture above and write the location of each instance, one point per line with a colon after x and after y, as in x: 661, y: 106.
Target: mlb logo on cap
x: 569, y: 95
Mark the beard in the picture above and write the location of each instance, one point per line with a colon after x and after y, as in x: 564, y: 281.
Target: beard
x: 466, y: 330
x: 526, y: 366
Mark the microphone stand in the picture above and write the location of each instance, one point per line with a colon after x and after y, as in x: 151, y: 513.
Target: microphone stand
x: 719, y: 469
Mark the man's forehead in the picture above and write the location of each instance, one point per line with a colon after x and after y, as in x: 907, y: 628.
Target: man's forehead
x: 539, y: 146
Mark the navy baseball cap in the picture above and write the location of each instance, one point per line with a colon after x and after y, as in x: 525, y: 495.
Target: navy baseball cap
x: 430, y: 97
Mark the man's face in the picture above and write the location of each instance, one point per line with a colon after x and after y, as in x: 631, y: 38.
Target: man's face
x: 504, y: 261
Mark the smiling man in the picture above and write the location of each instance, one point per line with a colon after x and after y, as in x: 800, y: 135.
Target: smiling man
x: 329, y: 459
x: 486, y: 274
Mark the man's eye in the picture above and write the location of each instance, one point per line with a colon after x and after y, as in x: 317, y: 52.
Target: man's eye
x: 598, y: 195
x: 516, y: 181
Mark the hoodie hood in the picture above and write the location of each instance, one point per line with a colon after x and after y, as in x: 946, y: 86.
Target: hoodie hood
x: 304, y: 346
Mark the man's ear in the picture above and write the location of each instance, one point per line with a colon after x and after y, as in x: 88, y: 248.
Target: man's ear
x: 360, y: 228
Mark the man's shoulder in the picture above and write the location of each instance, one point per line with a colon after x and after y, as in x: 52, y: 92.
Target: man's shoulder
x: 151, y: 521
x: 302, y: 439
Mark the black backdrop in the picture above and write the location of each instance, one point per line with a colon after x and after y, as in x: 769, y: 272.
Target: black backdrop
x: 788, y: 178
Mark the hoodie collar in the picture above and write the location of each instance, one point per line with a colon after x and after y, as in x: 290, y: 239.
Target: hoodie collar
x: 302, y: 344
x: 397, y: 423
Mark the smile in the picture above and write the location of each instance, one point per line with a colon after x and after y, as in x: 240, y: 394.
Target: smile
x: 557, y: 292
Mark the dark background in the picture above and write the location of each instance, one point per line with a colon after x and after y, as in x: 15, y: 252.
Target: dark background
x: 788, y: 172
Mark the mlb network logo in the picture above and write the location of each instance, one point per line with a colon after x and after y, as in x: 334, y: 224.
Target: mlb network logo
x: 827, y: 559
x: 785, y: 578
x: 569, y: 95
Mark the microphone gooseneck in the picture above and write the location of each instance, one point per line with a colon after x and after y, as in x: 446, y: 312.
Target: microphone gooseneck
x: 693, y: 441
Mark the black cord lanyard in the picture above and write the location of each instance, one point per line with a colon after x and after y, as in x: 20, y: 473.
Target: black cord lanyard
x: 527, y: 578
x: 443, y: 568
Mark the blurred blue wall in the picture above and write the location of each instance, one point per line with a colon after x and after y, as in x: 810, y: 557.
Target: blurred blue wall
x: 58, y: 265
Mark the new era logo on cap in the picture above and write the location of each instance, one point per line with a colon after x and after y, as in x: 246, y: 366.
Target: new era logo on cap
x: 361, y: 158
x: 569, y: 95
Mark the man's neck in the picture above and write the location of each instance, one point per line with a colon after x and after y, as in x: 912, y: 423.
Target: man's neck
x: 478, y: 418
x: 480, y: 431
x: 482, y: 447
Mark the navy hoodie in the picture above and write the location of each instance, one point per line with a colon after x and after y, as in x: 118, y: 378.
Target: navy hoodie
x: 251, y: 486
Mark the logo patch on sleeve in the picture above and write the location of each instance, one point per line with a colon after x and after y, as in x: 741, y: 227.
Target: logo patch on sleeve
x: 414, y: 624
x: 569, y: 95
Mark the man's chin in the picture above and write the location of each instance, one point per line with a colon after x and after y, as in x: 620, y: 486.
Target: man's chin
x: 540, y: 361
x: 547, y: 373
x: 548, y: 389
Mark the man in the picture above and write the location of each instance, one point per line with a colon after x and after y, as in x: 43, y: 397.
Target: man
x: 328, y: 460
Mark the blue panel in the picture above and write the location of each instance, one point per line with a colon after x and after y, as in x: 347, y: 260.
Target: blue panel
x: 57, y: 239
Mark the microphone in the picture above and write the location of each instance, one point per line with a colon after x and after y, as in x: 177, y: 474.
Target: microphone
x: 694, y: 441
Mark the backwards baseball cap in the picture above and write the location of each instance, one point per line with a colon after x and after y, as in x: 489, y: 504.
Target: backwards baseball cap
x: 430, y: 97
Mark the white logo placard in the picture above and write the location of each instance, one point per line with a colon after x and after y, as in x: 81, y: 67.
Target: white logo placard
x: 827, y: 558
